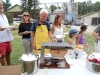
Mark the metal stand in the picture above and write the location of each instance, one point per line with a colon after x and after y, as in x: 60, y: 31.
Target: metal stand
x: 53, y: 46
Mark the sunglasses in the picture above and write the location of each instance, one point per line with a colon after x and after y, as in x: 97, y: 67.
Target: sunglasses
x: 26, y: 15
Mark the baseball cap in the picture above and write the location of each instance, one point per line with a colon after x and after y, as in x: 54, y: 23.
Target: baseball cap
x: 73, y: 31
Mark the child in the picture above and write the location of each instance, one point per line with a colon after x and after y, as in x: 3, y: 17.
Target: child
x: 72, y: 35
x: 80, y: 39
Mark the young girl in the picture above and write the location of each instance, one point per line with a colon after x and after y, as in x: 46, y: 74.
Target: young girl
x: 57, y: 27
x: 72, y: 35
x: 80, y: 39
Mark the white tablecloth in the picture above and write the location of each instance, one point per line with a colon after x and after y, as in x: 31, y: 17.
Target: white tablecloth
x: 77, y: 67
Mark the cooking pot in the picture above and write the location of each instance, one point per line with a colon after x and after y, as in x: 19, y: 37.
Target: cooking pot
x: 93, y: 67
x: 92, y: 62
x: 29, y: 63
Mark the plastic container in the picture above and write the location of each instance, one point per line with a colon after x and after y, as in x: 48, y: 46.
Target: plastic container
x: 79, y: 50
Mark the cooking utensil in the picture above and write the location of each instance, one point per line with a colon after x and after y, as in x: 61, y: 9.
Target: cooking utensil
x: 29, y: 63
x: 93, y: 67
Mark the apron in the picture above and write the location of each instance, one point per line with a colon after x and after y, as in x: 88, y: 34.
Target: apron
x: 98, y: 46
x: 41, y: 35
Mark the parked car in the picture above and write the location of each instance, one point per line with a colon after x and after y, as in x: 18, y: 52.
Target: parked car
x: 85, y: 24
x: 17, y: 19
x: 79, y: 24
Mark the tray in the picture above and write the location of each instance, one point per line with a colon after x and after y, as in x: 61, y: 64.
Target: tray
x: 54, y: 64
x: 10, y: 27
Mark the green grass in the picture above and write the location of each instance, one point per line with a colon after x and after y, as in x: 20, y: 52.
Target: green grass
x: 18, y: 46
x: 91, y: 41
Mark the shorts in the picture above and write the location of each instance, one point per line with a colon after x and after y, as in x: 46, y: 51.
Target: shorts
x: 5, y: 47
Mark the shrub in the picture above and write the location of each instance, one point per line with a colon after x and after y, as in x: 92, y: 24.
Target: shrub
x: 10, y: 17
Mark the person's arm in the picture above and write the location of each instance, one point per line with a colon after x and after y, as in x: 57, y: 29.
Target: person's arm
x: 95, y: 35
x: 52, y: 29
x: 24, y: 33
x: 70, y: 41
x: 32, y: 39
x: 1, y: 29
x: 33, y: 28
x: 51, y: 36
x: 97, y: 30
x: 50, y: 33
x: 78, y: 39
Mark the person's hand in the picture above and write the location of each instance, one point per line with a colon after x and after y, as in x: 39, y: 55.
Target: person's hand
x: 34, y: 46
x: 1, y: 29
x: 26, y: 32
x: 54, y: 40
x: 13, y: 29
x: 86, y: 44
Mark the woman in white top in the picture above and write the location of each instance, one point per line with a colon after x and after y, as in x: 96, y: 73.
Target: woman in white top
x: 57, y: 27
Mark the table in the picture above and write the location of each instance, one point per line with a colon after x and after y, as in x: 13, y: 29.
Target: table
x: 77, y: 68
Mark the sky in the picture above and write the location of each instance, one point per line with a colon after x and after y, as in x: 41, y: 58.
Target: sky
x: 13, y: 2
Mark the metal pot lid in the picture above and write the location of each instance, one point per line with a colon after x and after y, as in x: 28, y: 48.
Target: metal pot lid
x: 28, y: 57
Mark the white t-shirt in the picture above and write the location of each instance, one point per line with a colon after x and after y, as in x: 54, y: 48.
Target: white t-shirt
x: 6, y: 34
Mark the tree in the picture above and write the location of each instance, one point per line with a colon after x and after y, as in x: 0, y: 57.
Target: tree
x: 97, y: 6
x: 88, y: 7
x: 6, y: 5
x: 53, y: 7
x: 31, y: 6
x: 82, y: 7
x: 64, y: 6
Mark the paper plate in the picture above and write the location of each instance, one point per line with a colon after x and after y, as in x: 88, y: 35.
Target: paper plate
x: 10, y: 27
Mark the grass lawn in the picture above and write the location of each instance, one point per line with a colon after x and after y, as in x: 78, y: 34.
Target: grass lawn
x: 18, y: 47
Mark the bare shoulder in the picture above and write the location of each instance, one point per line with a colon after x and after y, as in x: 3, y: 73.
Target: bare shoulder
x: 70, y: 41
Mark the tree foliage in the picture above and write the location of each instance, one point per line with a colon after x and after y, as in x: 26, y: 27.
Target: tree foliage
x: 87, y: 7
x: 64, y: 6
x: 84, y: 7
x: 31, y: 6
x: 53, y: 7
x: 9, y: 17
x: 6, y: 5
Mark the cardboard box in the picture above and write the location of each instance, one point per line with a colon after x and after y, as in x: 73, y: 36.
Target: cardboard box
x: 10, y: 70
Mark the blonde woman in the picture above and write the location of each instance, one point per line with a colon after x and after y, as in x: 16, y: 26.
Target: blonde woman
x: 25, y: 30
